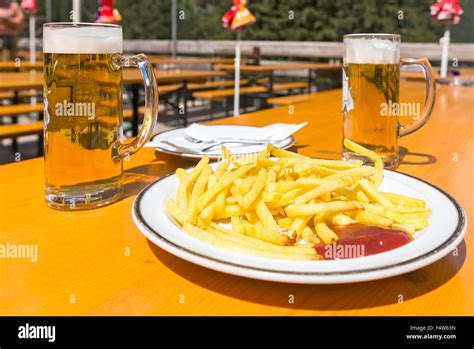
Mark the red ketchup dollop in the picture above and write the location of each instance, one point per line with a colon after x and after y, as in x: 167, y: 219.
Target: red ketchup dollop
x: 359, y: 240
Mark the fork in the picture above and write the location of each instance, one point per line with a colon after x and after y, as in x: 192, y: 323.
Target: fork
x: 225, y: 140
x: 220, y: 143
x: 203, y: 150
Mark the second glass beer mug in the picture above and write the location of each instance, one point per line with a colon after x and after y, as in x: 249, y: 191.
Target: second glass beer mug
x: 83, y: 135
x: 371, y: 106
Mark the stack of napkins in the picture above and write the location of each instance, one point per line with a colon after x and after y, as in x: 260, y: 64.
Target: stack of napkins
x: 206, y: 136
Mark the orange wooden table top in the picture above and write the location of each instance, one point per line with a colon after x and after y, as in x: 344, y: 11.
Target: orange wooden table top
x: 34, y: 79
x: 281, y: 66
x: 190, y: 60
x: 12, y: 65
x: 464, y: 73
x: 98, y: 263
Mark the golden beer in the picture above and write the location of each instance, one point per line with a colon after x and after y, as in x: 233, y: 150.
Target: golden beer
x: 83, y: 114
x: 84, y: 94
x: 370, y: 95
x: 371, y: 86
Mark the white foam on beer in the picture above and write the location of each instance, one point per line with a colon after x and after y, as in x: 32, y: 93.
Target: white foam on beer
x: 82, y: 40
x: 371, y: 51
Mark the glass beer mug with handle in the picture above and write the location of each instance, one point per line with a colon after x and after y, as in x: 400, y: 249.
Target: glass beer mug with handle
x: 83, y: 134
x: 371, y: 107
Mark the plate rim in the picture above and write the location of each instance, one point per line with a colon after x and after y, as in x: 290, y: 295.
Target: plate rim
x: 211, y: 157
x: 458, y: 233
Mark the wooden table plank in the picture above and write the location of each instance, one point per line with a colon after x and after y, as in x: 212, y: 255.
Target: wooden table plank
x: 288, y: 100
x: 84, y: 267
x: 12, y: 65
x: 156, y: 60
x: 190, y: 60
x: 33, y: 79
x: 464, y: 73
x: 266, y: 68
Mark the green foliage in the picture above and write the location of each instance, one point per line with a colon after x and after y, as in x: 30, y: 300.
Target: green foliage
x: 295, y: 20
x: 145, y: 19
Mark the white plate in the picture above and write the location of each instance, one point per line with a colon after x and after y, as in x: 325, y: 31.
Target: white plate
x: 446, y: 230
x: 215, y: 153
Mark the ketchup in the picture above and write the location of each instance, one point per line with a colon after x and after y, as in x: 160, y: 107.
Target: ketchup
x: 359, y: 240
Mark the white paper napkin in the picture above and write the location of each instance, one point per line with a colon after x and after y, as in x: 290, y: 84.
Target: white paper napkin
x: 205, y: 136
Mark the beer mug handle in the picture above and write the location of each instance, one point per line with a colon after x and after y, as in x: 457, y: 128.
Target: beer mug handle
x: 420, y: 120
x: 131, y: 146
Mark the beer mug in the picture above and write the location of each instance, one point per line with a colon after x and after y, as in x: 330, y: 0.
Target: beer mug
x: 84, y: 146
x: 370, y: 98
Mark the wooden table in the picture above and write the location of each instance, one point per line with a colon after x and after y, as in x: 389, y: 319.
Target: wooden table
x: 12, y: 65
x: 26, y: 54
x: 464, y: 73
x: 98, y: 263
x: 281, y: 66
x: 268, y: 70
x: 33, y: 79
x: 289, y: 100
x: 157, y: 60
x: 132, y: 77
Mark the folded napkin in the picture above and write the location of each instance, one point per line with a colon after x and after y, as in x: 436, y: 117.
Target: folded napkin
x: 205, y: 136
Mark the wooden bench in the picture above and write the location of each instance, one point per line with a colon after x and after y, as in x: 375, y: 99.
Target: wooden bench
x: 6, y: 95
x: 19, y: 109
x: 17, y: 130
x: 290, y: 86
x: 215, y: 85
x: 21, y: 94
x: 30, y: 93
x: 128, y: 113
x: 217, y: 94
x: 165, y: 89
x: 288, y: 100
x: 14, y: 131
x: 225, y: 94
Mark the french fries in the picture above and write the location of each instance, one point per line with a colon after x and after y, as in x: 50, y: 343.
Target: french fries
x: 280, y: 204
x: 322, y: 207
x: 239, y: 245
x: 378, y: 164
x: 182, y: 195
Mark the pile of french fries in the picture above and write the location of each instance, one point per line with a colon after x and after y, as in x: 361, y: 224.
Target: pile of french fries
x: 280, y: 204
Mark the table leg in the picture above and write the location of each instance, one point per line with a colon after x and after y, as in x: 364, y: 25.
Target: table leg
x: 270, y: 84
x: 16, y: 100
x: 310, y: 80
x: 184, y: 108
x: 135, y: 102
x: 227, y: 106
x: 41, y: 139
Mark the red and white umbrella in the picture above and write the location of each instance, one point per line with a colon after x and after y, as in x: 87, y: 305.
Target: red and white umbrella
x: 237, y: 19
x: 30, y: 8
x: 448, y: 13
x: 107, y: 13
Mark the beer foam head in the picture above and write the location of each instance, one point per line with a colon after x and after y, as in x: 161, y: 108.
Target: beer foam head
x: 371, y: 50
x: 82, y: 38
